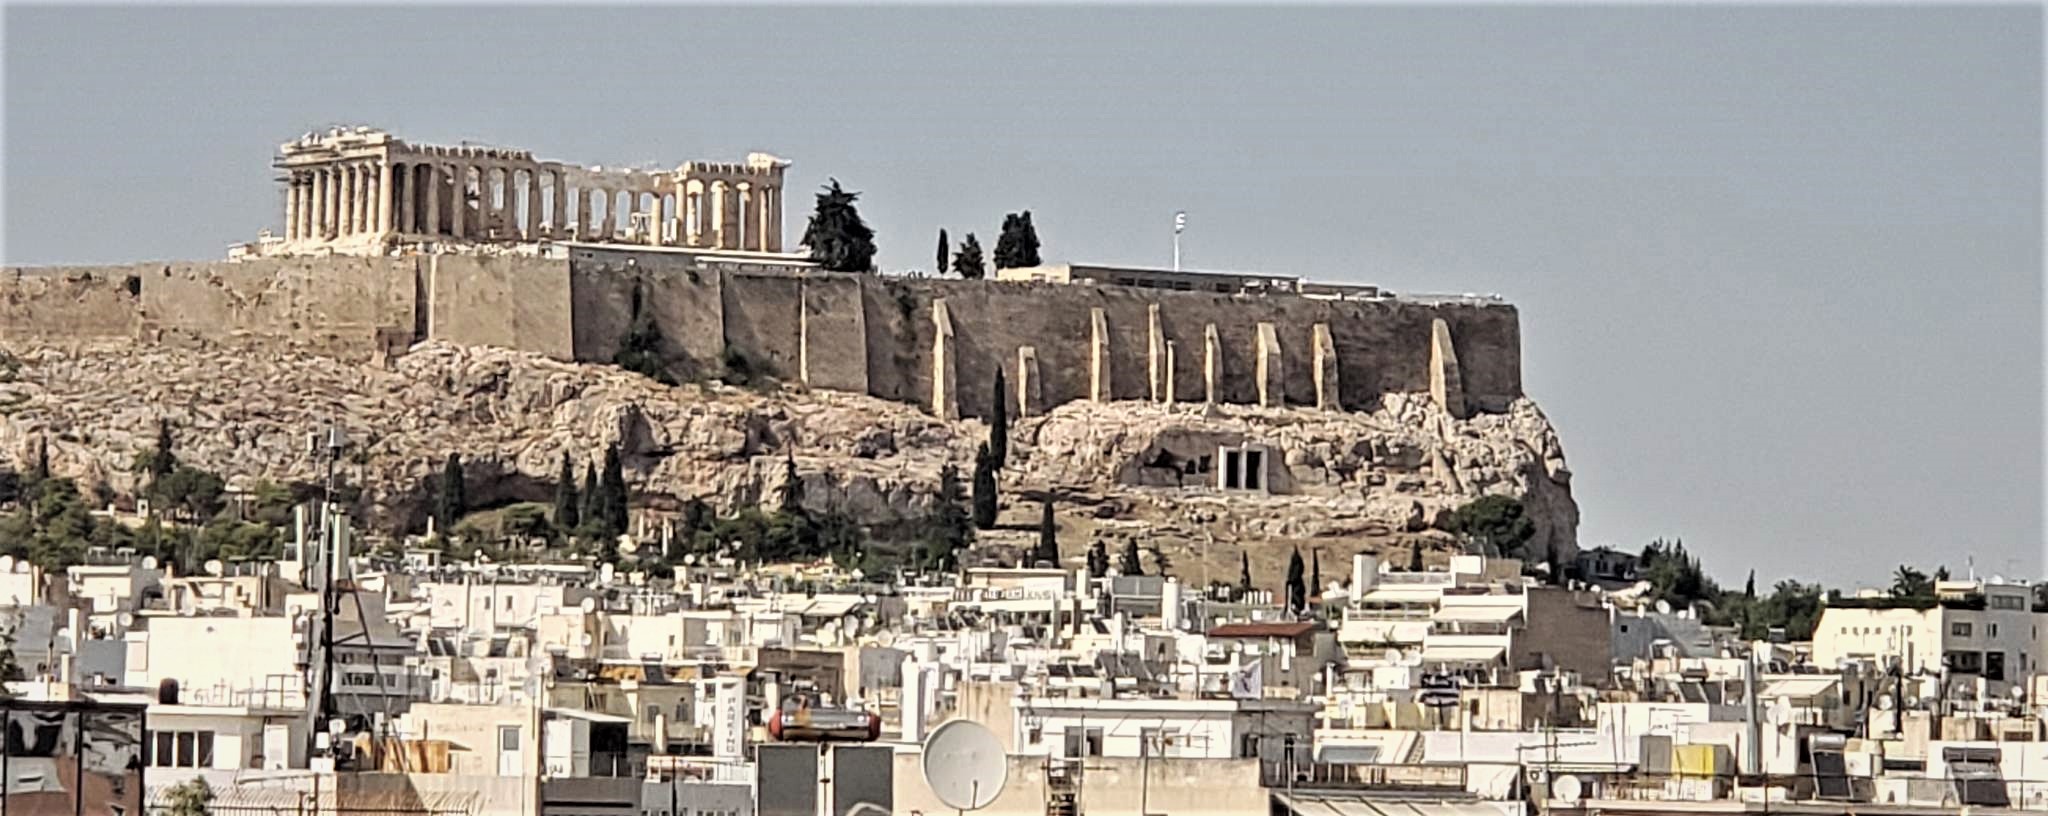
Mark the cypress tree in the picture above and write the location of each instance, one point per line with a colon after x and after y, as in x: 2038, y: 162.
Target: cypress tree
x: 1297, y: 592
x: 1129, y: 563
x: 790, y: 496
x: 1048, y: 537
x: 1244, y: 575
x: 1415, y: 557
x: 591, y: 513
x: 162, y: 460
x: 1098, y: 560
x: 453, y: 501
x: 1749, y: 586
x: 967, y: 262
x: 945, y: 249
x: 1315, y: 573
x: 41, y: 473
x: 999, y: 424
x: 566, y: 498
x: 614, y: 492
x: 950, y: 528
x: 984, y: 488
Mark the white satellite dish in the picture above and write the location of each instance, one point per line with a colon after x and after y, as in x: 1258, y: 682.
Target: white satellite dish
x: 964, y: 764
x: 149, y: 562
x: 126, y: 619
x: 605, y: 573
x: 6, y: 564
x: 214, y: 567
x: 1663, y: 607
x: 588, y: 605
x: 1568, y: 788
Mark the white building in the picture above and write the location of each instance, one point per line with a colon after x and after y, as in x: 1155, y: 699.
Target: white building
x: 1976, y: 630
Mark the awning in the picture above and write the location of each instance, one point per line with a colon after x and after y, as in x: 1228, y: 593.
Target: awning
x: 1491, y: 613
x: 1353, y: 804
x: 1463, y: 654
x: 1799, y: 688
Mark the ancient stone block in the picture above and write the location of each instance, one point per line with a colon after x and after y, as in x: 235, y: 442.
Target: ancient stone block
x: 1155, y: 354
x: 1446, y: 385
x: 1212, y: 362
x: 1030, y: 389
x: 1098, y: 356
x: 945, y: 380
x: 1325, y: 362
x: 1270, y: 372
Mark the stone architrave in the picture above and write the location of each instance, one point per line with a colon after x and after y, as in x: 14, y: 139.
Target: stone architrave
x: 1212, y: 363
x: 1030, y: 389
x: 1446, y: 385
x: 945, y: 379
x: 1326, y: 370
x: 1155, y: 355
x: 1272, y: 385
x: 1098, y: 356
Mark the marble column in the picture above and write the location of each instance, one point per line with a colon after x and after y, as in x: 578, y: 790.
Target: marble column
x: 533, y: 204
x: 349, y: 181
x: 582, y: 213
x: 386, y: 219
x: 656, y: 219
x: 319, y: 215
x: 404, y: 197
x: 558, y: 222
x: 430, y: 197
x: 458, y: 200
x: 291, y: 206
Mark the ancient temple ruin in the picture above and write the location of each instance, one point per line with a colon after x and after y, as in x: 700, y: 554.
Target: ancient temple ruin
x: 364, y: 191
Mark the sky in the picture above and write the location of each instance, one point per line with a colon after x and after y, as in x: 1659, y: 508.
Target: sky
x: 1779, y: 268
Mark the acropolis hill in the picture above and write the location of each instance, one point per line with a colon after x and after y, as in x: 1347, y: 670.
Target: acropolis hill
x: 1395, y: 407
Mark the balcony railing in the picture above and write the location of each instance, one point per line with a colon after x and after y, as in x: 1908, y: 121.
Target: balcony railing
x: 1285, y: 773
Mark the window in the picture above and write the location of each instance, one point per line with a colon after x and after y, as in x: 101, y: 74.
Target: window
x: 2008, y: 602
x: 1994, y: 666
x: 653, y: 712
x: 508, y: 738
x: 1966, y: 662
x: 1991, y: 630
x: 1083, y: 742
x: 1959, y: 629
x: 183, y: 749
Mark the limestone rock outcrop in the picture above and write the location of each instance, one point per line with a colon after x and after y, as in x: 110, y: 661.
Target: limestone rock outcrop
x: 247, y: 413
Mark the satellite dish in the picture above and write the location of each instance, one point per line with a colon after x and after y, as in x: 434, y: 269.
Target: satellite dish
x: 6, y: 563
x: 1663, y: 607
x: 1884, y: 702
x: 149, y: 562
x: 605, y: 573
x: 1391, y: 656
x: 1568, y: 788
x: 965, y: 765
x: 586, y: 640
x: 126, y: 619
x: 588, y: 605
x: 214, y: 567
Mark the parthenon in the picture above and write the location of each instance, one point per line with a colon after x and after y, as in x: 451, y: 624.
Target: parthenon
x: 362, y: 191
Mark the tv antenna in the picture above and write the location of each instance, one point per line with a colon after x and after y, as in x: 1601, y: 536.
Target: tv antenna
x: 965, y: 765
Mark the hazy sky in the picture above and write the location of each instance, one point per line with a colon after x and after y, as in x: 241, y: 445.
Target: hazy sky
x: 1779, y: 268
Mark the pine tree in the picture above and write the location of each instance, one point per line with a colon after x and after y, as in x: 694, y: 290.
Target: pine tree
x: 999, y: 424
x: 1297, y: 592
x: 945, y: 250
x: 1027, y: 242
x: 454, y: 500
x: 614, y: 492
x: 566, y: 498
x: 984, y: 488
x: 839, y: 240
x: 967, y: 262
x: 1244, y: 575
x: 1048, y: 537
x: 1129, y: 563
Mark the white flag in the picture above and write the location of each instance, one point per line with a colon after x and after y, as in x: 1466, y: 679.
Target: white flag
x: 1180, y: 222
x: 1248, y: 682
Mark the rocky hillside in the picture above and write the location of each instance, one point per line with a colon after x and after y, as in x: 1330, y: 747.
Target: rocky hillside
x: 1344, y: 480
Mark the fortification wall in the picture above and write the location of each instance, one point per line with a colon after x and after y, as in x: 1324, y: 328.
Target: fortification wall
x: 509, y: 301
x: 846, y: 332
x: 337, y: 306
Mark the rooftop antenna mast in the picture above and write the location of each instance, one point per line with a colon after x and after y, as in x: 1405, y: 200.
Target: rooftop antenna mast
x: 328, y: 566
